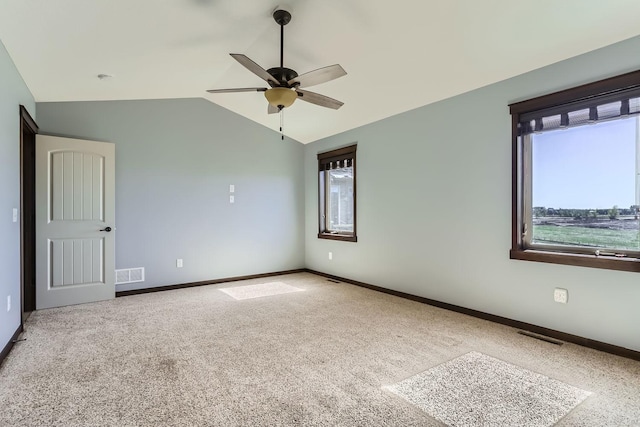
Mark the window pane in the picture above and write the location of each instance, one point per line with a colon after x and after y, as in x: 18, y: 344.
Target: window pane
x: 584, y: 186
x: 340, y: 203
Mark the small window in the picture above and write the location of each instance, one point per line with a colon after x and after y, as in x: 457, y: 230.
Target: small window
x: 337, y: 194
x: 576, y: 176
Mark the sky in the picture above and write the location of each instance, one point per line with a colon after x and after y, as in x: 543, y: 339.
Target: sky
x: 586, y: 167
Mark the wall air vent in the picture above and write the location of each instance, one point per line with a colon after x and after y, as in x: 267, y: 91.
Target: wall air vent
x: 129, y: 275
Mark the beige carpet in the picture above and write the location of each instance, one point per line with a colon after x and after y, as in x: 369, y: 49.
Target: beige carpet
x: 475, y: 389
x: 196, y: 357
x: 259, y: 290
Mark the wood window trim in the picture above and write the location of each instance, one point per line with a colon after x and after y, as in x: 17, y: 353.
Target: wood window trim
x: 340, y: 152
x: 518, y: 251
x: 580, y: 260
x: 335, y: 236
x: 334, y: 155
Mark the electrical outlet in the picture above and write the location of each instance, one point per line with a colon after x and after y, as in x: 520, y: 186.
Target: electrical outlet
x: 179, y: 263
x: 232, y: 199
x: 560, y: 295
x: 8, y: 302
x: 15, y: 215
x: 330, y: 255
x: 232, y: 188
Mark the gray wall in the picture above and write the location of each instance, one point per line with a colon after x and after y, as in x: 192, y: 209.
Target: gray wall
x: 175, y: 160
x: 13, y: 92
x: 434, y: 210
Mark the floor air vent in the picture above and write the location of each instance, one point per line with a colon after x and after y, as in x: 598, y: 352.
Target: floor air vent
x: 130, y: 275
x: 541, y: 337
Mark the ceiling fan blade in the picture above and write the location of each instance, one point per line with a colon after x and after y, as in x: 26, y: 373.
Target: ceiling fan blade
x: 254, y: 68
x: 240, y: 89
x: 321, y: 100
x: 321, y: 75
x: 272, y: 109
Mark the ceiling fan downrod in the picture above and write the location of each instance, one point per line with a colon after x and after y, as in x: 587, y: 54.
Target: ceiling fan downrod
x: 282, y: 18
x: 281, y: 73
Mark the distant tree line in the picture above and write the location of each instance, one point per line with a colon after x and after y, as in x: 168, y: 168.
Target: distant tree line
x: 613, y: 213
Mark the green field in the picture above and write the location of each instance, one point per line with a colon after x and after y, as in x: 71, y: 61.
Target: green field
x: 583, y: 236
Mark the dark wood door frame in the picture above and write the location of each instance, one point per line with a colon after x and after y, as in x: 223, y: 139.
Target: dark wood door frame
x: 28, y: 131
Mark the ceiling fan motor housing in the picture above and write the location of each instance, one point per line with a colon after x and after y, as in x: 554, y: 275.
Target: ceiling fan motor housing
x: 282, y: 74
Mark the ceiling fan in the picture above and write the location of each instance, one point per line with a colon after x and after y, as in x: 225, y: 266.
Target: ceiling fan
x: 285, y: 84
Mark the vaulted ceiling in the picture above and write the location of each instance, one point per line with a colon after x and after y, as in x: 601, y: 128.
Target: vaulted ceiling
x: 398, y: 55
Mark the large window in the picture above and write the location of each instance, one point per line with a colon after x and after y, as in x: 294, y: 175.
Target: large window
x: 576, y: 176
x: 337, y: 194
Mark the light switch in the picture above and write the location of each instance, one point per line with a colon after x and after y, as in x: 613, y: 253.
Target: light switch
x: 232, y: 188
x: 232, y: 199
x: 15, y: 214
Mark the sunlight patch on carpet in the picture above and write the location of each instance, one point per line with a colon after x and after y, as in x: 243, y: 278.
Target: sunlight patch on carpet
x: 476, y: 389
x: 261, y: 290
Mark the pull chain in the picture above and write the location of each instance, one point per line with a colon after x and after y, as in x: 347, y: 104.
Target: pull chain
x: 282, y: 123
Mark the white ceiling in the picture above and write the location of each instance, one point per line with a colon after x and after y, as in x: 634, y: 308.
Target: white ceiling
x: 399, y: 54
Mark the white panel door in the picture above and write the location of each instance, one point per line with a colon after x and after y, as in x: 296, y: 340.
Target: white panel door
x: 75, y: 221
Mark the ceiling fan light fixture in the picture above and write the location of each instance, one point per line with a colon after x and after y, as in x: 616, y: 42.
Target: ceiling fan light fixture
x: 280, y: 96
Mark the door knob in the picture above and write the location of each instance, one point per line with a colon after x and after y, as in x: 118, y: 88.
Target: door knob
x: 107, y: 229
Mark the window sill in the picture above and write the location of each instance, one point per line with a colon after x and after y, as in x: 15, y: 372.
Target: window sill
x: 335, y: 236
x: 609, y: 263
